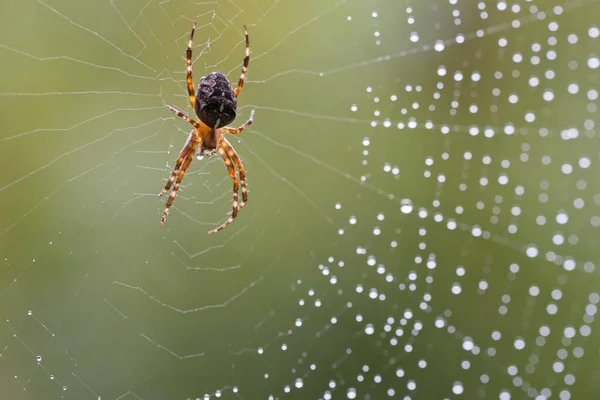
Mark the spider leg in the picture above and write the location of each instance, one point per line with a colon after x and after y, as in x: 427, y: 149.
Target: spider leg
x: 238, y: 163
x: 184, y: 160
x: 188, y: 53
x: 183, y: 115
x: 244, y: 65
x: 235, y: 131
x: 229, y: 164
x: 182, y: 154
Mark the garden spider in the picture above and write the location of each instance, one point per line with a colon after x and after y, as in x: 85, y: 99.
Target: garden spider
x: 215, y: 104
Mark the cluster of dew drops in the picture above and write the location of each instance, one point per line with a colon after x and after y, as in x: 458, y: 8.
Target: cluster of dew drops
x: 529, y: 116
x: 561, y: 216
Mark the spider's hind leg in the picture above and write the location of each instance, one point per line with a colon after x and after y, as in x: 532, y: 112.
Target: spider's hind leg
x: 188, y: 54
x: 240, y: 85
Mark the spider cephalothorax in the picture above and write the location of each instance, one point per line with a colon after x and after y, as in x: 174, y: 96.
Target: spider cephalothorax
x: 215, y: 104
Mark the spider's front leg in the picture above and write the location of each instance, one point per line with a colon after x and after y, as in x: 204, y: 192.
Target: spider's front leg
x: 183, y: 162
x: 182, y: 155
x: 235, y: 207
x: 233, y: 156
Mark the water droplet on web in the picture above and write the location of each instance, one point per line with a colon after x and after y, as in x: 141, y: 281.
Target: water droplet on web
x: 351, y: 393
x: 531, y: 251
x: 406, y: 206
x: 457, y: 388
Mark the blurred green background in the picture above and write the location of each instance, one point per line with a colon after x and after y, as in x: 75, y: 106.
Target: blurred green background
x: 423, y: 213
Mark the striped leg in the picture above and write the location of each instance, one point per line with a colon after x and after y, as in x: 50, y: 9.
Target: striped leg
x: 229, y: 164
x: 183, y: 115
x: 235, y: 131
x: 184, y: 160
x: 188, y: 53
x: 182, y: 155
x: 236, y: 159
x: 238, y: 163
x: 244, y: 65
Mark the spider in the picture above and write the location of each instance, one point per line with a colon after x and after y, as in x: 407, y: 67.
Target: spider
x: 215, y: 105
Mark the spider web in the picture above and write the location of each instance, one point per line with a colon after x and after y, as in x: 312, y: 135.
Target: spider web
x: 423, y: 209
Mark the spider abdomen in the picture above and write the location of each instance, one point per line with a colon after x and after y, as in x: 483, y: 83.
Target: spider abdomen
x: 216, y: 104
